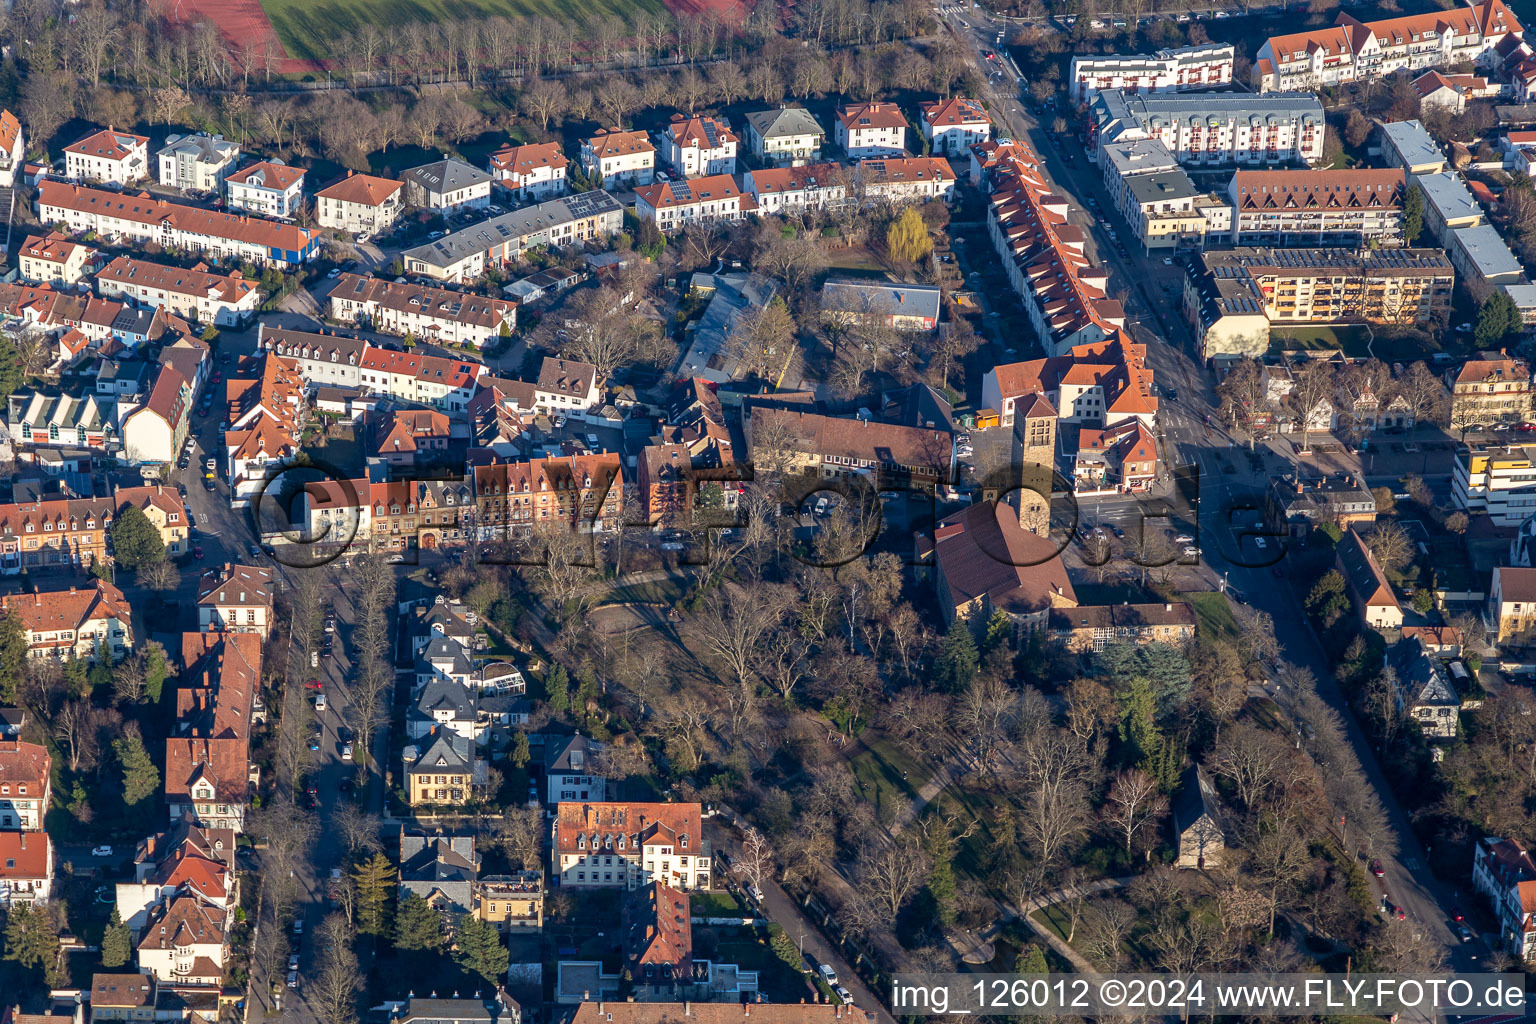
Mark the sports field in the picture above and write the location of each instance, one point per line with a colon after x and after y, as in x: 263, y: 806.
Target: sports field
x: 307, y: 28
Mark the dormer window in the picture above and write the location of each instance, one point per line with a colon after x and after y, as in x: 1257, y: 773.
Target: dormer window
x: 581, y: 842
x: 683, y: 840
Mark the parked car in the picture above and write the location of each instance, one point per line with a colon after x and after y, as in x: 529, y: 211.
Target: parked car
x: 844, y: 995
x: 314, y: 684
x: 298, y: 926
x: 293, y: 962
x: 1377, y: 869
x: 346, y: 751
x: 320, y: 701
x: 293, y: 979
x: 755, y: 893
x: 101, y: 851
x: 828, y: 975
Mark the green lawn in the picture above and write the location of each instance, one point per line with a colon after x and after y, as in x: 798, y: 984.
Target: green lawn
x: 308, y: 29
x: 1351, y: 339
x: 878, y: 771
x: 1213, y: 612
x: 714, y: 904
x: 667, y: 591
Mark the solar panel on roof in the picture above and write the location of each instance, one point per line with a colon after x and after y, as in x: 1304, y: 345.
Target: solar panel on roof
x: 680, y: 190
x: 709, y: 134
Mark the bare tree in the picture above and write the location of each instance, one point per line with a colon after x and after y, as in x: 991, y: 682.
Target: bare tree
x: 733, y: 624
x: 888, y: 873
x: 756, y: 859
x: 1134, y: 802
x: 1256, y: 761
x: 337, y: 986
x: 357, y: 829
x: 519, y: 834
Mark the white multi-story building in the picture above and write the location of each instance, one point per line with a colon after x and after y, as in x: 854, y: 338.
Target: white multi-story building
x: 74, y: 623
x: 953, y: 126
x: 530, y: 173
x: 360, y: 203
x: 699, y: 146
x: 26, y: 867
x: 787, y: 137
x: 195, y: 294
x: 619, y: 159
x: 235, y: 599
x: 13, y: 148
x: 871, y: 130
x: 630, y: 845
x: 268, y: 188
x: 1206, y: 66
x: 433, y: 314
x: 1502, y: 870
x: 1498, y: 481
x: 196, y: 163
x: 145, y: 219
x: 672, y: 205
x: 447, y: 185
x: 1356, y: 51
x: 108, y: 156
x: 1214, y: 129
x: 468, y: 253
x: 1318, y: 207
x: 53, y: 259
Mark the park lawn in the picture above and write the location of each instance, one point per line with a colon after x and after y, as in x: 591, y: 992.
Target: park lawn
x: 878, y: 770
x: 307, y: 29
x: 1213, y: 613
x: 714, y: 904
x: 667, y: 591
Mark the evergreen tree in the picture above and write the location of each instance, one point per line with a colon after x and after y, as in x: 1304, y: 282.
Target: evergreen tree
x: 116, y: 942
x: 77, y: 678
x: 375, y: 880
x: 100, y: 675
x: 1413, y: 214
x: 784, y: 947
x: 479, y: 949
x: 13, y: 656
x: 417, y: 925
x: 520, y: 753
x: 1031, y: 960
x: 958, y: 661
x: 1497, y: 320
x: 30, y: 937
x: 559, y: 687
x: 941, y: 886
x: 140, y: 776
x: 135, y: 541
x: 999, y: 632
x: 155, y: 671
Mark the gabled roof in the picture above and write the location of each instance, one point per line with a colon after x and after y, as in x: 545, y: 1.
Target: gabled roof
x: 266, y: 174
x: 238, y: 585
x: 667, y: 194
x: 24, y: 763
x: 1363, y: 573
x: 699, y: 131
x: 107, y: 144
x: 443, y: 751
x: 443, y: 176
x: 984, y: 552
x: 147, y: 210
x: 52, y: 611
x: 184, y: 921
x: 525, y: 159
x: 1324, y: 189
x: 613, y: 142
x: 638, y: 822
x: 658, y: 931
x: 25, y: 855
x: 959, y: 111
x: 10, y: 130
x: 860, y: 116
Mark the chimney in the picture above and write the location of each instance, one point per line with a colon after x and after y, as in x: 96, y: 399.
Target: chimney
x: 1167, y: 607
x: 687, y: 1008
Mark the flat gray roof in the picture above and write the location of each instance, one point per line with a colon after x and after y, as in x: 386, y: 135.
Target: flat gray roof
x: 1486, y: 249
x: 1161, y: 187
x: 1414, y: 145
x: 530, y: 220
x: 1448, y: 194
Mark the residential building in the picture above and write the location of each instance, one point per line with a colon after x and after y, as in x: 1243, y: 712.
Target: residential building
x: 162, y: 506
x: 530, y: 173
x: 786, y: 137
x: 987, y: 562
x: 566, y: 386
x: 582, y: 491
x: 954, y: 125
x: 906, y: 307
x: 436, y: 315
x: 1214, y: 129
x: 799, y: 188
x: 569, y: 771
x: 52, y: 259
x: 834, y: 446
x: 155, y: 431
x: 1451, y: 92
x: 196, y: 163
x: 360, y: 203
x: 447, y: 384
x: 13, y: 148
x: 397, y: 515
x: 1159, y: 202
x: 80, y: 622
x: 446, y: 185
x: 1318, y: 207
x: 1197, y: 821
x: 1512, y: 603
x: 185, y: 860
x: 1369, y: 412
x: 1503, y: 872
x: 905, y: 179
x: 620, y: 159
x: 1355, y: 51
x: 444, y: 705
x: 1374, y: 602
x: 439, y: 868
x: 629, y: 845
x: 208, y: 762
x: 122, y: 997
x: 109, y: 157
x: 1500, y: 481
x: 1121, y: 458
x: 1422, y: 692
x: 871, y: 130
x: 184, y: 943
x: 1044, y: 257
x: 418, y: 1010
x: 466, y: 254
x: 1448, y: 205
x: 197, y: 294
x: 699, y: 146
x: 406, y: 437
x: 1407, y: 145
x: 322, y: 360
x: 441, y: 770
x: 1233, y: 297
x: 1306, y: 503
x: 53, y: 532
x: 235, y: 599
x: 1089, y: 628
x: 1102, y: 385
x: 268, y: 188
x: 39, y: 418
x: 26, y: 868
x: 1490, y: 389
x: 143, y: 219
x: 711, y: 354
x: 1482, y: 258
x: 672, y: 205
x: 1205, y: 66
x: 265, y: 415
x: 25, y: 785
x: 513, y: 903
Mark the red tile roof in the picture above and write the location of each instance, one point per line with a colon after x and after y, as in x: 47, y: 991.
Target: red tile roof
x: 957, y: 111
x: 274, y: 176
x: 617, y: 143
x: 25, y: 855
x: 524, y: 159
x: 10, y: 130
x: 858, y: 116
x: 362, y: 189
x: 664, y: 195
x: 640, y: 823
x: 692, y: 132
x: 107, y: 144
x: 24, y: 763
x: 231, y: 287
x: 984, y: 552
x: 145, y: 209
x: 51, y: 611
x: 1325, y: 189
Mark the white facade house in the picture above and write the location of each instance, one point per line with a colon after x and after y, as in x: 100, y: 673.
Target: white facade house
x: 1214, y: 129
x: 953, y: 126
x: 26, y: 868
x: 619, y: 159
x: 196, y: 163
x: 629, y: 845
x: 1503, y: 872
x: 195, y: 294
x: 156, y: 430
x: 360, y: 203
x: 13, y: 149
x: 422, y: 311
x: 53, y: 259
x: 699, y: 146
x: 787, y: 137
x: 1206, y: 66
x: 235, y: 599
x: 530, y: 173
x: 672, y: 205
x: 447, y: 185
x: 109, y: 157
x: 871, y: 130
x: 268, y: 188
